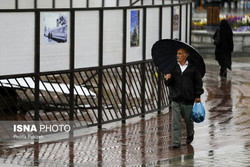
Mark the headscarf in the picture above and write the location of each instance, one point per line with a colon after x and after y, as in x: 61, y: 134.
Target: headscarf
x: 225, y: 28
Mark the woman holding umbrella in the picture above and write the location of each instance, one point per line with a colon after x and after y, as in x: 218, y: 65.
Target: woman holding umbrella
x: 183, y: 74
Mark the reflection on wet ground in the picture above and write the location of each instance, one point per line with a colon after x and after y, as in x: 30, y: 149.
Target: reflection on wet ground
x: 223, y: 139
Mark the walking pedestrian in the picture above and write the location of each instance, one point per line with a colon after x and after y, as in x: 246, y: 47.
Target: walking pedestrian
x: 223, y: 39
x: 185, y: 83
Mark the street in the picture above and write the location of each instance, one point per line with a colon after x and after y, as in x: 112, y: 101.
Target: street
x: 223, y: 139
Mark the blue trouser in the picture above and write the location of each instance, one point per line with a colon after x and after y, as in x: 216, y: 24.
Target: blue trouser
x: 178, y: 110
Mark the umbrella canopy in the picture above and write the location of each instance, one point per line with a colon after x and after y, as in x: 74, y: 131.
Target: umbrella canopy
x: 164, y: 53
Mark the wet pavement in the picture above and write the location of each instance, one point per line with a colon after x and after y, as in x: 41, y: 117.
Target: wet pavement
x: 223, y: 139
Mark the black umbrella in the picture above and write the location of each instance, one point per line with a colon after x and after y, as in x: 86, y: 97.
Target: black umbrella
x: 164, y: 53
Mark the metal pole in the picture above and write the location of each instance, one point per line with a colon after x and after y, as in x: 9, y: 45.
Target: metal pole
x: 158, y: 72
x: 143, y: 89
x: 16, y: 4
x: 100, y: 72
x: 37, y: 63
x: 124, y: 66
x: 72, y: 66
x: 180, y: 29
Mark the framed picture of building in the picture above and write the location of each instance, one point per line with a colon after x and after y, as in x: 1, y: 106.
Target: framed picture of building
x: 134, y: 28
x: 55, y: 27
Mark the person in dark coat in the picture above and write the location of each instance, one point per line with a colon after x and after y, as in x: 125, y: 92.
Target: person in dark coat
x: 185, y: 85
x: 224, y: 46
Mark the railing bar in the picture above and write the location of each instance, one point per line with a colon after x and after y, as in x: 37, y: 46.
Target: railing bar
x: 164, y: 99
x: 132, y: 4
x: 139, y: 81
x: 12, y: 98
x: 55, y: 90
x: 132, y: 87
x: 105, y: 101
x: 45, y: 102
x: 2, y: 112
x: 126, y: 95
x: 65, y: 95
x: 5, y: 129
x: 95, y: 92
x: 117, y: 84
x: 154, y: 81
x: 147, y: 92
x: 57, y: 96
x: 11, y: 112
x: 65, y: 84
x: 148, y: 80
x: 56, y: 105
x: 113, y: 96
x: 76, y: 105
x: 92, y: 99
x: 49, y: 103
x: 88, y: 80
x: 115, y: 93
x: 82, y: 101
x: 25, y: 95
x: 130, y: 104
x: 120, y: 88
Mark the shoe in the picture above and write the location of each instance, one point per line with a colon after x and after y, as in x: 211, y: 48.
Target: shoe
x: 190, y: 139
x: 176, y: 145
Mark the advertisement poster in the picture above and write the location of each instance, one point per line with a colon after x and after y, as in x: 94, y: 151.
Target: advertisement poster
x: 134, y: 28
x: 55, y: 27
x: 176, y: 22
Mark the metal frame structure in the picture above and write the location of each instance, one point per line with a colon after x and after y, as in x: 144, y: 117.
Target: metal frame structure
x: 123, y: 90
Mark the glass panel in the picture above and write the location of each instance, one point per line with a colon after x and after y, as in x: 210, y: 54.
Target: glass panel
x: 152, y: 29
x: 113, y: 37
x: 87, y: 39
x: 17, y: 43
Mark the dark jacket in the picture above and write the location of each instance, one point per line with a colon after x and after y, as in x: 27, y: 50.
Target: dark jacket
x: 226, y: 46
x: 185, y: 87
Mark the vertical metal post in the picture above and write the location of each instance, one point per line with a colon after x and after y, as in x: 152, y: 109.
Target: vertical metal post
x: 71, y: 4
x: 124, y: 66
x: 143, y: 87
x: 180, y: 27
x: 100, y: 72
x: 160, y: 23
x: 53, y: 4
x: 190, y: 22
x: 87, y: 3
x: 16, y: 4
x: 72, y: 66
x: 172, y: 10
x: 159, y: 79
x: 103, y: 3
x: 37, y: 63
x: 186, y: 26
x: 35, y: 4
